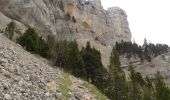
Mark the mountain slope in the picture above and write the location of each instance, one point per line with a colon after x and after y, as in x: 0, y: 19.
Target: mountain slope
x: 83, y: 20
x: 24, y: 77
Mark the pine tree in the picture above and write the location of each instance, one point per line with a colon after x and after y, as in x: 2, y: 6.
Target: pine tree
x: 42, y: 48
x: 61, y: 53
x: 75, y: 61
x: 162, y: 91
x: 95, y: 72
x: 117, y: 80
x: 135, y: 92
x: 33, y: 43
x: 88, y: 61
x: 29, y: 40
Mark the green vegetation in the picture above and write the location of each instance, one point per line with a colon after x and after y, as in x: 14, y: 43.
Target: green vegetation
x: 86, y: 64
x: 162, y: 91
x: 117, y: 82
x: 33, y: 43
x: 66, y: 55
x: 10, y: 29
x: 95, y: 72
x: 94, y: 90
x: 146, y: 51
x: 64, y: 86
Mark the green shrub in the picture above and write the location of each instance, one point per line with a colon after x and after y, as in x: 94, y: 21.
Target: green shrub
x: 10, y: 29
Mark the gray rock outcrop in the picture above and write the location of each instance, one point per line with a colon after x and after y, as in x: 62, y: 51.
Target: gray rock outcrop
x: 160, y: 64
x: 87, y: 19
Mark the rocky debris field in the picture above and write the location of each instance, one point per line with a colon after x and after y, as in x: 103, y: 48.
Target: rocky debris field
x: 25, y: 77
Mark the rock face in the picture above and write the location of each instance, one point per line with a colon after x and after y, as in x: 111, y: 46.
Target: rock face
x: 160, y: 64
x: 24, y: 77
x: 73, y: 19
x: 83, y: 20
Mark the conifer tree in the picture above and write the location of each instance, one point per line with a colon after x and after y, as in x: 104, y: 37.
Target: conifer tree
x: 95, y: 71
x: 135, y: 92
x: 162, y: 91
x: 29, y: 40
x: 75, y: 61
x: 33, y: 43
x: 117, y: 80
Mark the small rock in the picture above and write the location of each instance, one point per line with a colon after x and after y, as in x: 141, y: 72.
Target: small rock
x: 36, y: 65
x: 15, y: 79
x: 69, y: 94
x: 33, y: 78
x: 1, y: 70
x: 77, y: 98
x: 47, y: 94
x: 7, y: 75
x: 51, y: 86
x: 81, y: 87
x: 12, y: 67
x: 3, y: 62
x: 58, y: 94
x: 1, y: 51
x: 20, y: 83
x: 8, y: 97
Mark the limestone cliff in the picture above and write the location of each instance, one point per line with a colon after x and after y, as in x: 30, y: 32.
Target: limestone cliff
x: 80, y: 19
x: 83, y: 20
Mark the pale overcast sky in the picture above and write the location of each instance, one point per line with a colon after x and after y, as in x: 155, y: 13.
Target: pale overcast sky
x: 147, y: 18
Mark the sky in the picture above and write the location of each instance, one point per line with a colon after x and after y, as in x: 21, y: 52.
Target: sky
x: 148, y: 19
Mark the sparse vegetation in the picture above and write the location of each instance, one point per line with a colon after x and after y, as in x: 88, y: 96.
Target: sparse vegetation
x: 10, y: 29
x: 65, y: 85
x: 95, y: 91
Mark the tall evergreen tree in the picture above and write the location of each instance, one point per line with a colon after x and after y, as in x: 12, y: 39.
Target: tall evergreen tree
x: 135, y: 92
x: 117, y: 80
x: 75, y: 61
x: 95, y: 71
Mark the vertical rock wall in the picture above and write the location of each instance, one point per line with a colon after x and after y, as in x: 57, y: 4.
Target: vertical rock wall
x: 83, y: 20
